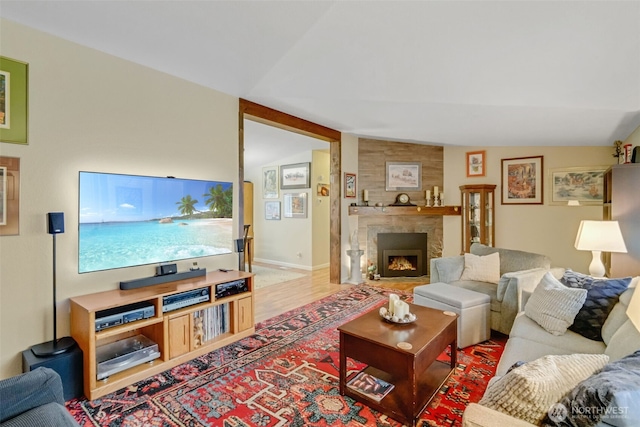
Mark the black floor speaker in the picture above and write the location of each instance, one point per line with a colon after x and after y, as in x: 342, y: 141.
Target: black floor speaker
x: 68, y: 365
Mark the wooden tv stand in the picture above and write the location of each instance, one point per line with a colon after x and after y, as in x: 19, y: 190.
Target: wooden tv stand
x: 177, y: 333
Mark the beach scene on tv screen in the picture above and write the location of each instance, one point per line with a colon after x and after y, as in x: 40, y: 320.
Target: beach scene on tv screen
x: 130, y: 220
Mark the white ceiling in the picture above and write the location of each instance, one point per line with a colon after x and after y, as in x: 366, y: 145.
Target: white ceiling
x: 473, y: 73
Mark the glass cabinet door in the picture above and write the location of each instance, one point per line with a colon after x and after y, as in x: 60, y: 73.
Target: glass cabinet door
x: 477, y: 215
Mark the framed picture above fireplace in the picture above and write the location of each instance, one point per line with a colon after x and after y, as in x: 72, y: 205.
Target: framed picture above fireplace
x: 405, y: 176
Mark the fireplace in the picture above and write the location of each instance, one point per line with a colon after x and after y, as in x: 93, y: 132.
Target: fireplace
x: 402, y: 254
x: 401, y: 263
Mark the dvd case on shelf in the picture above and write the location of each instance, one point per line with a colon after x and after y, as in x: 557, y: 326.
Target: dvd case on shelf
x: 211, y: 323
x: 370, y: 386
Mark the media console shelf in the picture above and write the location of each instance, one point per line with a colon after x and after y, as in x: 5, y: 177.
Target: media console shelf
x: 181, y: 335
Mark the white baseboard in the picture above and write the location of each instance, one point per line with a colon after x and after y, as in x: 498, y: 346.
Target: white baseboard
x: 283, y: 264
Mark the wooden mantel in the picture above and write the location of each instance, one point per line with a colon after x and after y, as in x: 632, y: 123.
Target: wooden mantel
x: 405, y: 210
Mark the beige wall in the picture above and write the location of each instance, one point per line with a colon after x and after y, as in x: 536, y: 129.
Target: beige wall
x: 286, y: 242
x: 546, y: 228
x: 294, y: 242
x: 319, y: 207
x: 94, y: 112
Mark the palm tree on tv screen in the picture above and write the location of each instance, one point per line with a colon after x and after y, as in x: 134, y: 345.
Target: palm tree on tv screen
x: 187, y: 205
x: 220, y: 201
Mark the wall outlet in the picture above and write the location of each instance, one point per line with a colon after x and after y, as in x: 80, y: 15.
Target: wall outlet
x: 299, y: 254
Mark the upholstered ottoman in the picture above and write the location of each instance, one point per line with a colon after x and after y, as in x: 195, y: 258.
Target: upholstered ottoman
x: 472, y: 307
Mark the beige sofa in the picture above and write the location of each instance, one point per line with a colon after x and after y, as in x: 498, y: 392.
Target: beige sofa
x: 518, y: 270
x: 528, y: 341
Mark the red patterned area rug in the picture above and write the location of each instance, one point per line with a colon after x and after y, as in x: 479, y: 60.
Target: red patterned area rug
x: 284, y: 375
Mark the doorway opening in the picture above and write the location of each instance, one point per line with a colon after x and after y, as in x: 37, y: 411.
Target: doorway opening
x: 258, y: 113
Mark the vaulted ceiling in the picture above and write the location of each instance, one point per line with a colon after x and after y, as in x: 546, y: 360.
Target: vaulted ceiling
x: 473, y: 73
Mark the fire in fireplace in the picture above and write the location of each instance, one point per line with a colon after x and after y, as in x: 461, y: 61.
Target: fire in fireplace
x: 402, y: 254
x: 401, y: 263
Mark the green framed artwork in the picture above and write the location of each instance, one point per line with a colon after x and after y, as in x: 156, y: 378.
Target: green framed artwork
x: 14, y: 95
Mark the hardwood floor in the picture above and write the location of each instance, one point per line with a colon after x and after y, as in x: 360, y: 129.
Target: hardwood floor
x: 277, y: 299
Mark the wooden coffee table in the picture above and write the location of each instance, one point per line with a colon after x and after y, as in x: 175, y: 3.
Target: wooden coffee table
x: 415, y: 373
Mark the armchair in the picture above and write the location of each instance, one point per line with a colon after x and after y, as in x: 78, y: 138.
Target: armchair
x: 520, y: 272
x: 34, y: 399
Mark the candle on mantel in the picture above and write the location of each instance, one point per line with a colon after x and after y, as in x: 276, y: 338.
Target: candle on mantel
x: 428, y: 195
x: 365, y: 196
x: 392, y: 302
x: 435, y: 191
x: 442, y: 198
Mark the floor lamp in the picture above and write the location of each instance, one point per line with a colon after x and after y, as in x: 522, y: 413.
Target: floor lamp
x: 55, y: 225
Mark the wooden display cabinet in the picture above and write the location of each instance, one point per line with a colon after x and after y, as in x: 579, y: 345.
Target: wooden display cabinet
x: 181, y: 335
x: 621, y: 204
x: 478, y: 215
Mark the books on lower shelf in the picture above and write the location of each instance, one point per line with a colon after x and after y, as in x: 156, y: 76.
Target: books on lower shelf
x: 370, y: 386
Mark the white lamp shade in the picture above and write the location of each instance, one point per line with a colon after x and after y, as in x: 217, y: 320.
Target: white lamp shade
x: 604, y: 236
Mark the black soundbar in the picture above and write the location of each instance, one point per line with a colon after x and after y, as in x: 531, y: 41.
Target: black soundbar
x: 156, y: 280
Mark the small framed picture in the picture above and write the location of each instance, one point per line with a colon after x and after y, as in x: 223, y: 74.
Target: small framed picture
x: 295, y: 205
x: 349, y: 185
x: 475, y: 163
x: 270, y: 182
x: 272, y: 210
x: 295, y: 176
x: 9, y: 196
x: 323, y: 190
x: 3, y: 195
x: 522, y: 181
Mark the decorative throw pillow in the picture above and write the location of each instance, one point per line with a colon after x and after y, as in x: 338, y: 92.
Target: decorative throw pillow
x: 602, y: 296
x: 610, y: 395
x: 481, y: 268
x: 553, y: 305
x: 527, y: 392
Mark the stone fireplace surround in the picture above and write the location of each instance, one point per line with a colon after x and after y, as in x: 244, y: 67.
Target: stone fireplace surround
x: 410, y: 248
x: 372, y: 157
x: 369, y: 227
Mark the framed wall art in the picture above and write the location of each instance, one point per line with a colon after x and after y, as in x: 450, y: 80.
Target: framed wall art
x: 295, y: 176
x: 14, y: 96
x: 295, y: 205
x: 323, y: 190
x: 522, y: 181
x: 10, y: 197
x: 476, y: 163
x: 350, y: 185
x: 584, y: 184
x: 404, y: 176
x: 272, y: 210
x: 3, y: 195
x: 270, y: 182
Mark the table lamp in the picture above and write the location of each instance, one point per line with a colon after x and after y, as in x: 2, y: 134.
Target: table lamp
x: 598, y: 237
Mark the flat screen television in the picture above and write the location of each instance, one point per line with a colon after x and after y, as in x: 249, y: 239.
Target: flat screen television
x: 131, y: 220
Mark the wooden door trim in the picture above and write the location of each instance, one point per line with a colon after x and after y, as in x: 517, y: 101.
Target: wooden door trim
x: 262, y: 114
